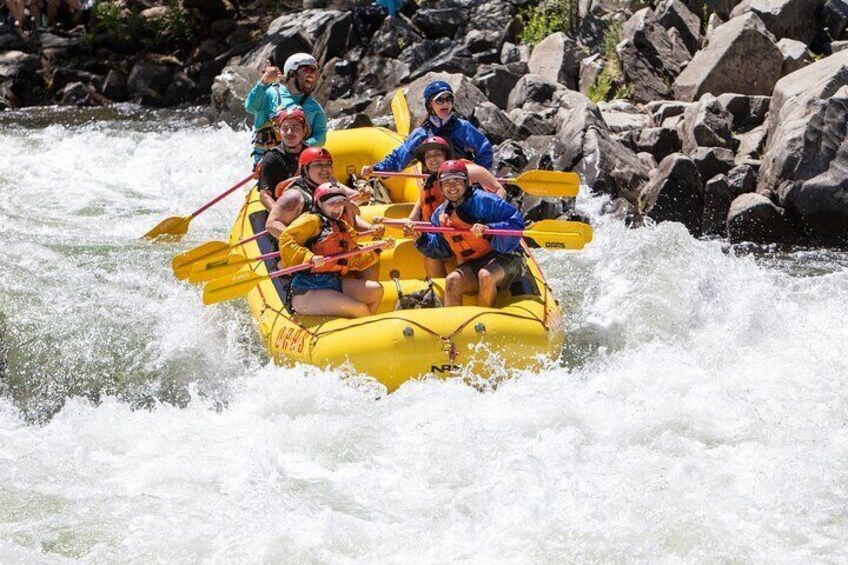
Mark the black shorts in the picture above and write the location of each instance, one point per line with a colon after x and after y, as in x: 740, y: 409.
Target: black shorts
x: 513, y: 265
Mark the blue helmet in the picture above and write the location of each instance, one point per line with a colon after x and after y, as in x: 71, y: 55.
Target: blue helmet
x: 434, y: 89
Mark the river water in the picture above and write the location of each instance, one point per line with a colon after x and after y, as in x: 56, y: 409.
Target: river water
x: 698, y: 414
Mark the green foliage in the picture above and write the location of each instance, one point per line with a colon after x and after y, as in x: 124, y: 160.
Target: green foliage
x: 550, y: 16
x: 610, y: 83
x: 126, y: 30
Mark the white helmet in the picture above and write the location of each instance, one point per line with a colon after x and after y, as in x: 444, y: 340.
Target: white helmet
x: 298, y: 60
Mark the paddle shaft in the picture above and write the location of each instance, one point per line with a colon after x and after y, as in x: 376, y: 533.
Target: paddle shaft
x: 277, y: 253
x: 425, y: 227
x: 222, y: 196
x: 328, y: 259
x: 424, y: 176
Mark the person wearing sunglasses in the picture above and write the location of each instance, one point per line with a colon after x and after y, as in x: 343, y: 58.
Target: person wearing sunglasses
x: 467, y: 142
x: 277, y: 91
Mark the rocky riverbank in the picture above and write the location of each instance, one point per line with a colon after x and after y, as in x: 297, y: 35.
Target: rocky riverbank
x: 727, y: 116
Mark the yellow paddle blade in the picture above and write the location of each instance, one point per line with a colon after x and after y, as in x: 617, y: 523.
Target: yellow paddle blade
x: 183, y: 263
x: 231, y: 286
x: 400, y: 110
x: 548, y: 183
x: 559, y: 234
x: 564, y: 226
x: 173, y: 226
x: 217, y: 267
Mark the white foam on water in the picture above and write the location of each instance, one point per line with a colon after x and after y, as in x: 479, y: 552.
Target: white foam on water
x: 699, y: 417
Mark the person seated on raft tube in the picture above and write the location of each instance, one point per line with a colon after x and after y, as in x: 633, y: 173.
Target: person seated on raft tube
x: 325, y: 290
x: 295, y: 196
x: 466, y: 141
x: 281, y: 162
x: 431, y: 154
x: 485, y: 264
x: 268, y: 97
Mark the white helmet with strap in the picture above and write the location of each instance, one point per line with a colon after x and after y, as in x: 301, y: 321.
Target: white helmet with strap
x: 298, y: 60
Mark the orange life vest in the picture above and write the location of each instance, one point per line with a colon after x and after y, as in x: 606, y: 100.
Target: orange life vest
x: 431, y: 197
x: 336, y: 237
x: 465, y: 246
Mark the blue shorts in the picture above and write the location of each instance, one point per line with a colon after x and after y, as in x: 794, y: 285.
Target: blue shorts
x: 302, y: 283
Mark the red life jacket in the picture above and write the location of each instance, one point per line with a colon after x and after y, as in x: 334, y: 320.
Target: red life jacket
x: 465, y: 246
x: 336, y: 237
x: 431, y: 197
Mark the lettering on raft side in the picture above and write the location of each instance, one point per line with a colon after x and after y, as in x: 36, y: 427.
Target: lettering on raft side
x: 446, y: 368
x: 292, y: 340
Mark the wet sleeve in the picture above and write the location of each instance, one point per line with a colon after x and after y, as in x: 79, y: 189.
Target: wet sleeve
x: 318, y: 127
x: 504, y: 216
x: 433, y: 245
x: 294, y: 238
x: 402, y: 155
x: 483, y: 153
x: 256, y: 98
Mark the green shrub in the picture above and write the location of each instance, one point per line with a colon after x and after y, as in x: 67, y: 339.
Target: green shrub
x: 610, y: 83
x: 127, y: 30
x: 550, y: 16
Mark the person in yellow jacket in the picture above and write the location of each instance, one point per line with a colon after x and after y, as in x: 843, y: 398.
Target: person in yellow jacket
x: 325, y: 290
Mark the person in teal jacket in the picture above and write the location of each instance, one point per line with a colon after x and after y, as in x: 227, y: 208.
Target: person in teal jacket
x: 277, y: 91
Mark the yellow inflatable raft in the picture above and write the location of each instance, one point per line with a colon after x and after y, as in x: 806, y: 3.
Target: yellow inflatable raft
x: 521, y: 332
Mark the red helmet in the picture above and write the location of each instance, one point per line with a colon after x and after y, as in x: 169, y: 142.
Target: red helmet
x: 312, y: 154
x: 433, y: 142
x: 327, y: 192
x: 453, y: 170
x: 293, y: 113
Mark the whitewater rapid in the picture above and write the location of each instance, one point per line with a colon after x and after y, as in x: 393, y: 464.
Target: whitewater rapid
x: 698, y: 416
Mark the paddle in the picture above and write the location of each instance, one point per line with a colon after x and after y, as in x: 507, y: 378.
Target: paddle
x: 537, y: 183
x: 239, y: 284
x: 550, y: 234
x: 178, y: 225
x: 400, y: 110
x: 184, y: 263
x: 222, y: 265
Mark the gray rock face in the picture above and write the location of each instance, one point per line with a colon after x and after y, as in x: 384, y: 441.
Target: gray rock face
x: 741, y: 57
x: 752, y: 144
x: 795, y: 55
x: 712, y: 161
x: 741, y: 179
x: 456, y: 59
x: 381, y: 73
x: 557, y: 59
x: 675, y: 14
x: 659, y: 142
x: 748, y: 111
x: 835, y: 18
x: 621, y: 116
x: 335, y: 39
x: 148, y: 82
x: 115, y: 86
x: 532, y: 122
x: 493, y: 122
x: 704, y: 8
x: 717, y: 198
x: 590, y: 68
x: 675, y: 193
x: 753, y: 217
x: 706, y: 124
x: 496, y: 83
x: 533, y: 89
x: 795, y: 19
x: 440, y: 22
x: 290, y: 34
x: 229, y: 92
x: 394, y: 37
x: 807, y: 152
x: 651, y: 56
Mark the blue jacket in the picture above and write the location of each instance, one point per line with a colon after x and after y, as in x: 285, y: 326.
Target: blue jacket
x: 480, y: 208
x: 466, y: 140
x: 265, y: 100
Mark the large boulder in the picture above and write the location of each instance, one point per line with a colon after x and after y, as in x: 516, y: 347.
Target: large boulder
x: 584, y: 144
x: 717, y: 199
x: 795, y: 19
x: 795, y: 55
x: 706, y: 124
x: 675, y: 193
x: 712, y: 161
x: 748, y: 111
x: 807, y: 152
x: 533, y: 92
x: 835, y: 18
x: 440, y: 22
x: 289, y: 34
x: 557, y: 58
x: 741, y: 57
x: 659, y: 142
x: 712, y: 8
x: 754, y: 218
x: 455, y: 59
x: 148, y: 82
x: 229, y: 92
x: 651, y: 56
x: 675, y: 14
x: 496, y: 82
x: 493, y: 122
